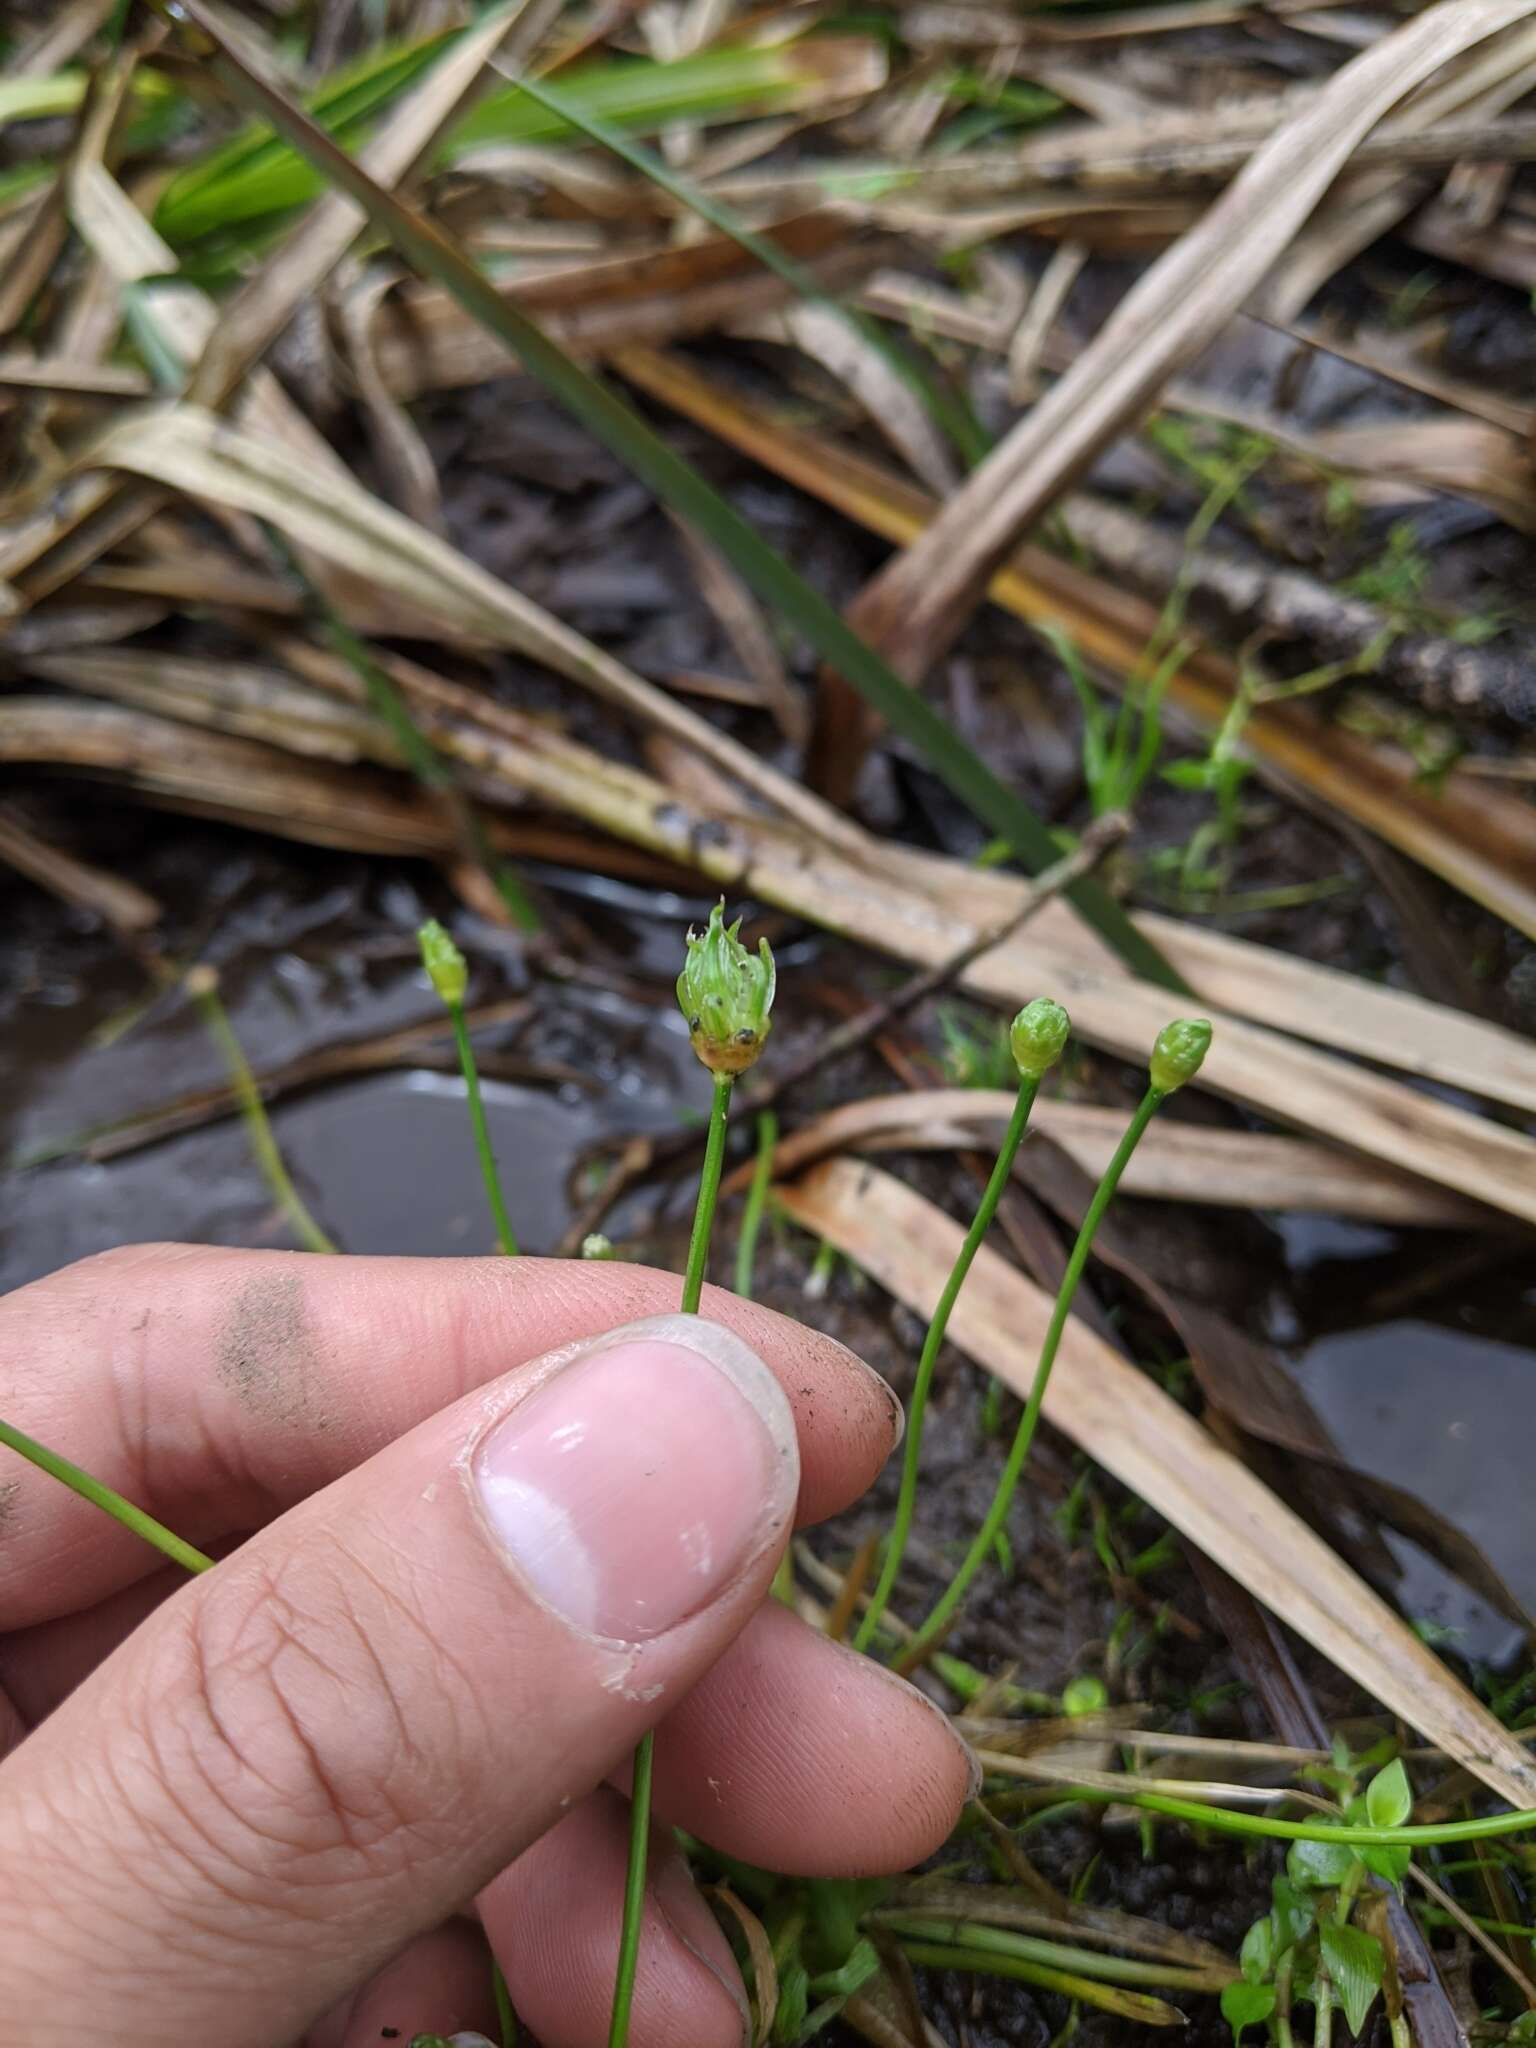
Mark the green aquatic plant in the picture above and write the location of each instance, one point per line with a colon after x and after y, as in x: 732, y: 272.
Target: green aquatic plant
x: 448, y: 972
x: 1037, y: 1039
x: 1176, y: 1058
x: 726, y: 996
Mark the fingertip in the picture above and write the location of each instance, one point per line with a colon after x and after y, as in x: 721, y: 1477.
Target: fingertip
x: 796, y: 1753
x: 553, y: 1921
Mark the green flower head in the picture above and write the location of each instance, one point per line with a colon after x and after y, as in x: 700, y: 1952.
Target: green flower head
x: 1180, y: 1048
x: 447, y: 969
x: 726, y: 993
x: 1038, y: 1037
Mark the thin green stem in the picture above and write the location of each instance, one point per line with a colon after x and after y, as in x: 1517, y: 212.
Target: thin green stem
x: 640, y: 1789
x: 915, y: 1925
x: 709, y: 1195
x: 1024, y: 1436
x: 202, y: 988
x: 756, y: 1203
x: 940, y: 1955
x: 906, y: 1499
x: 504, y: 1232
x: 506, y: 2018
x: 634, y: 1893
x: 1347, y: 1835
x: 100, y: 1496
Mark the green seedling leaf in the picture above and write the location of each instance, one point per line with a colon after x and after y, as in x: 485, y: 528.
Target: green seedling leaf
x: 1355, y: 1963
x: 1245, y: 2005
x: 1256, y: 1957
x: 1389, y: 1797
x: 1391, y: 1864
x: 1085, y: 1695
x: 1319, y: 1866
x: 1292, y: 1914
x: 794, y: 2002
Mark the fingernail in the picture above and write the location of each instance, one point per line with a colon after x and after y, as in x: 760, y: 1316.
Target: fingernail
x: 634, y: 1485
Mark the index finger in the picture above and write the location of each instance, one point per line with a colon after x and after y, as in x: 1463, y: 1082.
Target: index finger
x: 217, y: 1388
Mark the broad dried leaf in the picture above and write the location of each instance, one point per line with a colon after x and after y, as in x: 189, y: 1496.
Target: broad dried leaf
x: 1131, y: 1427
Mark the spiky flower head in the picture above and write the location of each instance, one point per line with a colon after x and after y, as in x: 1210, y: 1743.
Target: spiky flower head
x: 447, y: 969
x: 1180, y: 1048
x: 1038, y: 1037
x: 726, y: 993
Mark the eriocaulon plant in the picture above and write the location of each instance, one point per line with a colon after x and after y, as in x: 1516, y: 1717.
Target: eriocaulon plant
x: 448, y: 972
x: 1176, y: 1058
x: 1037, y: 1039
x: 726, y: 995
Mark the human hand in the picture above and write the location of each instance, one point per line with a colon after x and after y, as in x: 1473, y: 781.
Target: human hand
x: 482, y: 1547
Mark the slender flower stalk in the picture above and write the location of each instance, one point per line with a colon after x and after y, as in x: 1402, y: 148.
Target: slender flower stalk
x: 448, y: 972
x: 202, y: 985
x: 726, y: 994
x: 100, y: 1496
x: 1176, y: 1058
x: 1038, y: 1038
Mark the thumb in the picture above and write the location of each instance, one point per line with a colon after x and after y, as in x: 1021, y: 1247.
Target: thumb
x: 344, y: 1730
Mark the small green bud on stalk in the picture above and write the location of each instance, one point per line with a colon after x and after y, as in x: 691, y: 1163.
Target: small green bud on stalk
x: 1038, y: 1037
x: 726, y: 994
x: 596, y: 1246
x: 447, y: 969
x: 1180, y: 1048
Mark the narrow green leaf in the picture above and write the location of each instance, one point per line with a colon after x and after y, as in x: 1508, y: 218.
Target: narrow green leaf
x: 1318, y: 1866
x: 1355, y: 1962
x: 951, y: 415
x: 678, y: 485
x: 1256, y: 1957
x: 1389, y: 1797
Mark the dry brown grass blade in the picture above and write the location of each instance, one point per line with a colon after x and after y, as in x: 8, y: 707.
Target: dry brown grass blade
x: 197, y: 452
x: 1488, y: 851
x: 212, y: 774
x: 119, y: 902
x: 1175, y: 1162
x: 57, y: 40
x: 425, y: 341
x: 1368, y: 205
x: 252, y: 699
x: 914, y: 607
x: 918, y: 907
x: 259, y: 311
x: 1128, y: 1425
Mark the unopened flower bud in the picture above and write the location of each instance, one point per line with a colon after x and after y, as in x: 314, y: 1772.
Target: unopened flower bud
x: 447, y: 969
x: 726, y: 993
x: 1038, y: 1037
x: 1180, y: 1048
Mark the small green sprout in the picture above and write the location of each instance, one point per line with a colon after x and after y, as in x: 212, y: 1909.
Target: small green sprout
x: 596, y: 1246
x: 726, y: 993
x: 1038, y: 1037
x: 447, y: 969
x: 1180, y: 1048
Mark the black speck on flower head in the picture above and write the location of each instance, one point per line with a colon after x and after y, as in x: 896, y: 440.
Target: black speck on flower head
x: 1180, y: 1048
x: 726, y: 994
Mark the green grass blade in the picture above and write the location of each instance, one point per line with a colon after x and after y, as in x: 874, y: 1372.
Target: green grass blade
x: 678, y: 485
x: 260, y: 174
x: 948, y: 412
